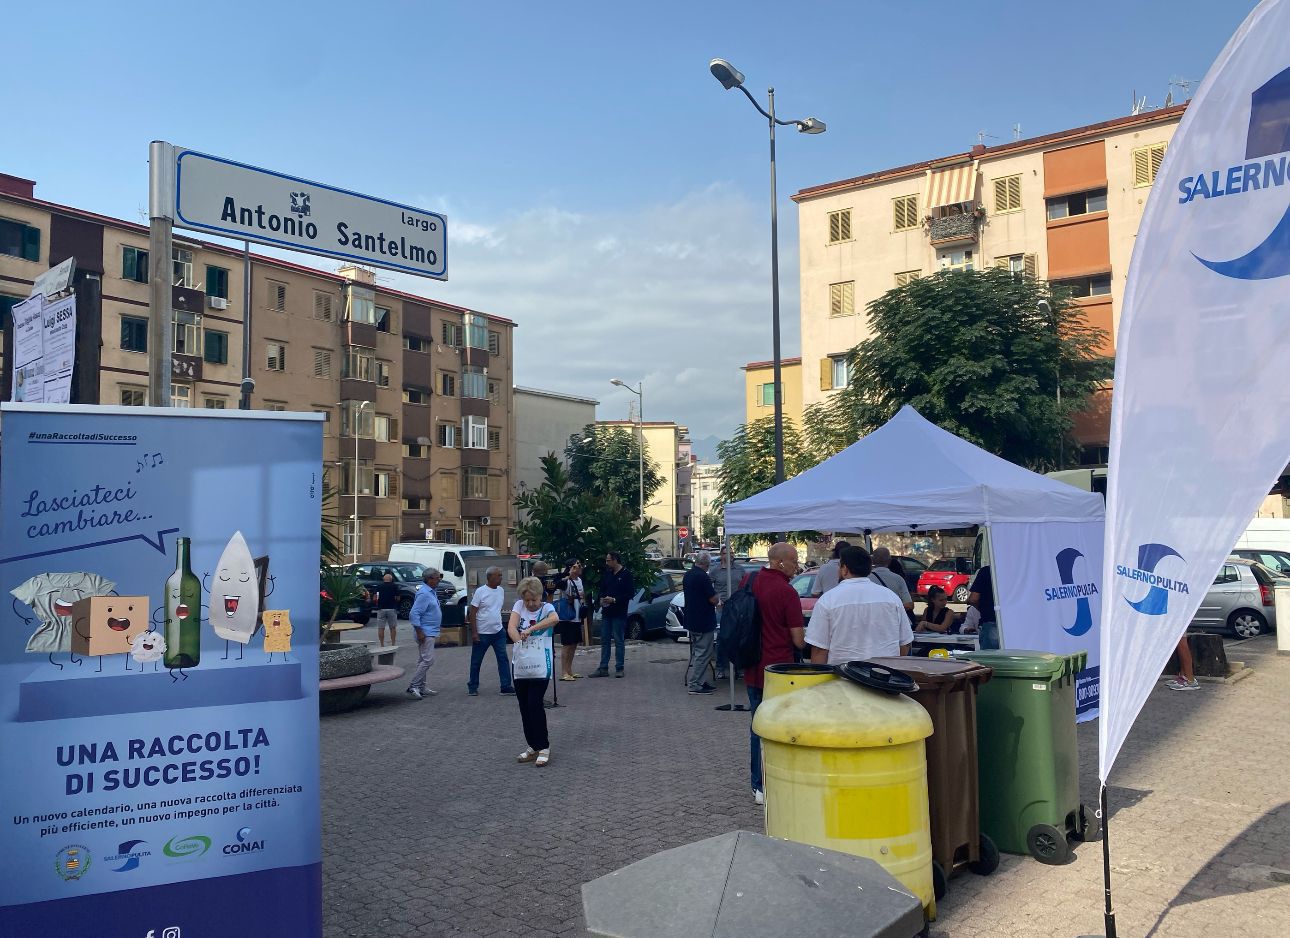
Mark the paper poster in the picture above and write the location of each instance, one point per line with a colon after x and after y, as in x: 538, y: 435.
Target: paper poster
x: 160, y: 740
x: 28, y: 349
x: 58, y: 338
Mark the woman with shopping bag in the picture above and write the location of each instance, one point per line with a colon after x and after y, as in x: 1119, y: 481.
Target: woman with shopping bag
x: 531, y: 622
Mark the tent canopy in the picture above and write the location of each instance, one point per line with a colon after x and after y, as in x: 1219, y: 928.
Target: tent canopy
x: 909, y: 473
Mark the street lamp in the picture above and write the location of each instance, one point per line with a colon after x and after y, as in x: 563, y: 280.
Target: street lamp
x: 640, y: 423
x: 358, y: 413
x: 1046, y: 310
x: 731, y: 77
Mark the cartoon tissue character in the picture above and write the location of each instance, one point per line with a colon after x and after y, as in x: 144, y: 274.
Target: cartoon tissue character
x: 51, y: 597
x: 147, y: 646
x: 277, y: 631
x: 235, y: 593
x: 105, y: 625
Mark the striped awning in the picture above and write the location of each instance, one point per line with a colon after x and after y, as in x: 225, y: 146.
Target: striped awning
x: 951, y: 186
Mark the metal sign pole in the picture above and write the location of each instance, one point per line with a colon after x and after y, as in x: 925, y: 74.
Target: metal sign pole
x: 161, y: 215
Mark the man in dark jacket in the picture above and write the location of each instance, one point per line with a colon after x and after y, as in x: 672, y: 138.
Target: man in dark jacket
x: 616, y: 591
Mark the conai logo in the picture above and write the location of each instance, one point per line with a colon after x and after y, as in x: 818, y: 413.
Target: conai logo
x: 1268, y: 136
x: 1069, y: 589
x: 1156, y: 602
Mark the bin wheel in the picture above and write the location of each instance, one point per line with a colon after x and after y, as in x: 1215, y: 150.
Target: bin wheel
x: 1048, y: 845
x: 1084, y: 830
x: 940, y: 882
x: 989, y: 861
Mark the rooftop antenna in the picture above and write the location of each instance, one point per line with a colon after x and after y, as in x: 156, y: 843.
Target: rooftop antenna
x: 982, y: 136
x: 1139, y: 104
x: 1183, y: 83
x: 1016, y: 131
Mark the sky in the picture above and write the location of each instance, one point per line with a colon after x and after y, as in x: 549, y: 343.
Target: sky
x: 602, y: 189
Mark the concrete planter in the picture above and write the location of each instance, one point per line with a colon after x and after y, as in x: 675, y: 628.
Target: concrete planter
x: 342, y: 661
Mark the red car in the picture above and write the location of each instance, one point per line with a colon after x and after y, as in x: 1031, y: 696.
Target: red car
x: 952, y: 574
x: 802, y: 584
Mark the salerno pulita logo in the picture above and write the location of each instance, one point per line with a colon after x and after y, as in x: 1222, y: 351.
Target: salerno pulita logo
x: 128, y: 855
x: 1156, y: 601
x: 72, y: 862
x: 1266, y: 144
x: 1069, y: 589
x: 186, y: 848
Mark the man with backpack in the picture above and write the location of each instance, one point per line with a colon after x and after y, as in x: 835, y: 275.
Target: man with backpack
x: 779, y: 610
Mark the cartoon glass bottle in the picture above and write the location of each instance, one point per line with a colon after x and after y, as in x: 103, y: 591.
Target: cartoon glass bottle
x: 183, y: 611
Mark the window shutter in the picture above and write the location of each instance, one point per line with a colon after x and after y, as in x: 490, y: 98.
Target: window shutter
x: 1003, y: 262
x: 835, y: 226
x: 322, y: 363
x: 1142, y: 167
x: 826, y: 374
x: 1031, y: 265
x: 394, y: 429
x: 845, y: 224
x: 1157, y: 157
x: 322, y: 306
x: 1000, y: 195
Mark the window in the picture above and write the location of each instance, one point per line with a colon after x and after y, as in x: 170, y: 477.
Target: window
x: 215, y: 403
x: 1146, y: 163
x: 473, y: 382
x: 362, y: 305
x: 384, y: 319
x: 957, y: 260
x: 448, y: 490
x: 275, y: 356
x: 841, y: 373
x: 387, y: 428
x: 380, y: 541
x: 414, y: 343
x: 476, y: 331
x: 447, y: 384
x: 451, y: 334
x: 494, y: 488
x: 322, y: 409
x: 415, y: 504
x: 905, y: 277
x: 181, y: 267
x: 474, y: 482
x: 415, y: 451
x: 359, y: 363
x: 494, y: 343
x: 181, y: 395
x: 470, y: 532
x: 1097, y: 285
x: 1007, y: 194
x: 276, y: 296
x: 134, y: 264
x: 352, y: 537
x: 840, y: 226
x: 1227, y: 575
x: 134, y: 334
x: 1020, y: 265
x: 842, y: 298
x: 494, y: 538
x: 322, y: 363
x: 382, y: 374
x: 349, y: 478
x: 495, y: 440
x: 19, y: 240
x: 188, y: 332
x: 415, y: 396
x: 215, y: 349
x: 474, y: 433
x: 216, y: 281
x: 354, y: 418
x: 386, y: 483
x: 275, y: 406
x: 323, y: 306
x: 134, y: 397
x: 766, y: 396
x: 834, y: 373
x: 1078, y: 203
x: 905, y: 212
x: 495, y: 393
x: 447, y: 435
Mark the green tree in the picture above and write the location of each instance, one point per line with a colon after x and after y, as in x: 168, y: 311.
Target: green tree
x: 608, y: 463
x: 711, y: 524
x: 565, y: 521
x: 974, y: 353
x: 748, y: 467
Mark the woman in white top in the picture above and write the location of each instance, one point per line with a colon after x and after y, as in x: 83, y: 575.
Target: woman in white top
x: 570, y: 628
x: 531, y: 622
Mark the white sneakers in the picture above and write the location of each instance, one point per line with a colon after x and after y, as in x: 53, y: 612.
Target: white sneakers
x: 759, y: 796
x: 1179, y: 684
x: 537, y: 758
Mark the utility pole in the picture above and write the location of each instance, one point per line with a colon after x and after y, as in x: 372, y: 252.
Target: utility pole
x: 161, y: 215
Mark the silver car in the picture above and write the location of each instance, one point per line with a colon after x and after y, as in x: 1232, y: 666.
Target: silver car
x: 1240, y: 601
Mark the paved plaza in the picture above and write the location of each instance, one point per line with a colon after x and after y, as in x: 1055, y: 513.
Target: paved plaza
x: 431, y: 828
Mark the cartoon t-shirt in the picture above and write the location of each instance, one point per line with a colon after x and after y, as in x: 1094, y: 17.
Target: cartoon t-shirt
x: 50, y: 595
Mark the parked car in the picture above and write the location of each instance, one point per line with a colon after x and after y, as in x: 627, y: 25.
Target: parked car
x: 952, y: 574
x: 1239, y: 601
x: 1278, y: 561
x: 446, y: 558
x: 647, y: 611
x: 914, y: 569
x: 406, y: 575
x: 674, y: 624
x: 802, y: 584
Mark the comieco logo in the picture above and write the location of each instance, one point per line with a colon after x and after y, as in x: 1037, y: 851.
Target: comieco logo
x: 1156, y: 601
x: 1069, y: 589
x: 187, y: 848
x: 244, y: 843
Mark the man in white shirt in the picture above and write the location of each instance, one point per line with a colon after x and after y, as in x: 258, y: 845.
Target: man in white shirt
x: 484, y: 617
x: 857, y: 619
x: 890, y: 578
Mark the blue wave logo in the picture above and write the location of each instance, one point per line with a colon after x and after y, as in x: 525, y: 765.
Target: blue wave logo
x: 130, y: 853
x: 1268, y: 135
x: 1156, y: 601
x: 1069, y: 589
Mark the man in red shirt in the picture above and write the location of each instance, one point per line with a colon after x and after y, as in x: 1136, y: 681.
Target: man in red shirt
x: 782, y: 630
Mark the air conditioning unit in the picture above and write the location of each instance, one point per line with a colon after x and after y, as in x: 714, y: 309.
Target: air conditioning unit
x: 217, y: 302
x: 486, y: 520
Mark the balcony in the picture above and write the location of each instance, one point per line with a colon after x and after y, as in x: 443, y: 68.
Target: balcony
x: 953, y: 229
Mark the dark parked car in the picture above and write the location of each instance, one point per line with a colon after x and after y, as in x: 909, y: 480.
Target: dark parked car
x: 914, y: 568
x: 406, y: 575
x: 647, y: 611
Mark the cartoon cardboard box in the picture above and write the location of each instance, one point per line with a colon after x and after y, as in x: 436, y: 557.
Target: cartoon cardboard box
x: 105, y: 625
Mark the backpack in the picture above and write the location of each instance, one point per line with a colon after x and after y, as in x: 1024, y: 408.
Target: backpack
x: 741, y: 626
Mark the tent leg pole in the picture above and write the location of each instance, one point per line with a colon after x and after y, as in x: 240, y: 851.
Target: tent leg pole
x: 1108, y: 913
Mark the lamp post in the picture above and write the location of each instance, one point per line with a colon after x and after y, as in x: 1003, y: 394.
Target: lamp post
x: 358, y: 414
x: 1046, y: 310
x: 731, y: 77
x: 640, y: 423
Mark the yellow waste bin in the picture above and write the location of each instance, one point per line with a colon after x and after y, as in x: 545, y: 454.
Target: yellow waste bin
x: 782, y: 678
x: 845, y: 768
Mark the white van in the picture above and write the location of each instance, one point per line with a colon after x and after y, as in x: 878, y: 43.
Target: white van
x: 448, y: 559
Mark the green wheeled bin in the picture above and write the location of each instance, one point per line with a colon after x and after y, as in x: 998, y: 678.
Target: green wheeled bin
x: 1028, y: 754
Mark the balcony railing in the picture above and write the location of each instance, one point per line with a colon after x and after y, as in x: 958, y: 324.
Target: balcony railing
x: 953, y: 228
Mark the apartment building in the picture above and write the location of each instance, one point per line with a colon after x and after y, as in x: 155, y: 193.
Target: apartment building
x: 417, y: 393
x: 669, y: 445
x: 544, y: 422
x: 705, y: 480
x: 759, y: 390
x: 1064, y: 207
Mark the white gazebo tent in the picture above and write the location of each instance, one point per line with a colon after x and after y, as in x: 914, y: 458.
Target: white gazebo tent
x: 909, y: 474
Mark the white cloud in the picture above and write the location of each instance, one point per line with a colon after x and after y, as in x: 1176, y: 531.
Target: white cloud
x: 676, y: 295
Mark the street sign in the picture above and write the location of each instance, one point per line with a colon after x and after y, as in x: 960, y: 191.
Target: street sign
x: 55, y: 280
x: 225, y: 197
x: 683, y: 532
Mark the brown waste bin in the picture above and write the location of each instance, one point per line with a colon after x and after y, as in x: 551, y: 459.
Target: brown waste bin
x: 947, y: 691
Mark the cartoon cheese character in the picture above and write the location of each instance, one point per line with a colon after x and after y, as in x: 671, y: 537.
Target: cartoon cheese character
x: 277, y: 630
x: 106, y: 625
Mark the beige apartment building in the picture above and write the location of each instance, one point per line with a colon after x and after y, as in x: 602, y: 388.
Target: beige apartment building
x: 417, y: 393
x: 1064, y: 207
x: 669, y: 445
x: 759, y: 390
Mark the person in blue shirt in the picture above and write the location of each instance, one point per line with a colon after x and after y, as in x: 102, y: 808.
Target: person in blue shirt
x: 426, y: 618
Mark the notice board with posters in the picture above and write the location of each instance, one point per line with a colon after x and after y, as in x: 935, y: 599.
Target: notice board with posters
x: 159, y: 672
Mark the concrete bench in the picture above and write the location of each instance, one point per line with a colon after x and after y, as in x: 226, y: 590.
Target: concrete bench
x: 381, y: 654
x: 342, y: 693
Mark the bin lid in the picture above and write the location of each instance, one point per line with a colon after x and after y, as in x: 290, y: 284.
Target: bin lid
x: 842, y: 715
x: 1024, y: 664
x: 936, y: 671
